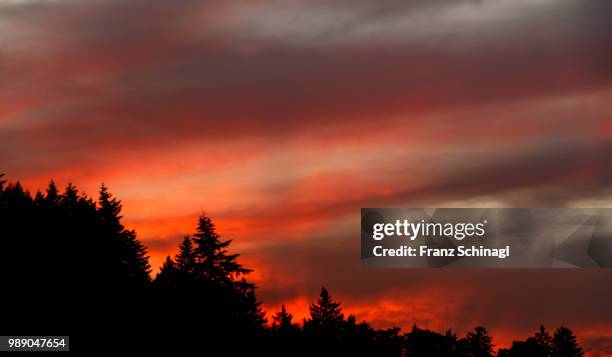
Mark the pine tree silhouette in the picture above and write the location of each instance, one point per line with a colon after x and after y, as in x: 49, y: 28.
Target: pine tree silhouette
x: 221, y: 271
x: 177, y: 273
x: 420, y: 342
x: 185, y: 260
x: 565, y: 345
x: 358, y: 338
x: 544, y: 340
x: 478, y: 343
x: 61, y: 253
x: 52, y: 193
x: 130, y: 267
x: 286, y: 335
x: 326, y: 315
x: 90, y: 273
x: 168, y: 274
x: 282, y: 321
x: 528, y: 348
x: 223, y: 301
x: 212, y: 259
x: 325, y: 327
x: 389, y: 342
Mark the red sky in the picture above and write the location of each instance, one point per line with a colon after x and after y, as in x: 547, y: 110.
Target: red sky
x: 281, y: 120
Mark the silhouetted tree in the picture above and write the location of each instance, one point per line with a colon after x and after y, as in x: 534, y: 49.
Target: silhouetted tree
x: 528, y: 348
x: 130, y: 263
x: 63, y: 249
x: 421, y: 342
x: 52, y: 193
x: 186, y: 258
x: 224, y: 301
x: 282, y: 322
x: 285, y: 333
x: 565, y: 345
x: 62, y: 252
x: 326, y: 317
x: 324, y: 329
x: 224, y: 276
x: 389, y: 342
x: 179, y: 273
x: 477, y: 343
x: 544, y: 340
x: 359, y: 338
x: 168, y: 274
x: 212, y: 259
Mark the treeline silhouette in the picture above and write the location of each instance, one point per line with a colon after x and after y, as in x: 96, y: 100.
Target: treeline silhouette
x: 70, y: 267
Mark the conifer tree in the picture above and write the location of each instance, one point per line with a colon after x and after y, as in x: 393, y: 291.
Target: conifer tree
x: 543, y: 338
x: 52, y: 193
x: 325, y: 315
x: 39, y: 197
x: 109, y: 209
x: 422, y: 342
x: 212, y: 259
x: 54, y: 235
x: 286, y: 334
x: 167, y: 275
x: 282, y: 321
x: 69, y: 198
x: 478, y: 343
x: 185, y: 260
x: 136, y: 259
x: 3, y: 203
x: 253, y: 315
x: 565, y: 345
x: 208, y: 270
x: 168, y: 267
x: 129, y: 263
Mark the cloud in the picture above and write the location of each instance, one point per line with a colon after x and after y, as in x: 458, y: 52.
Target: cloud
x: 105, y: 75
x: 282, y: 119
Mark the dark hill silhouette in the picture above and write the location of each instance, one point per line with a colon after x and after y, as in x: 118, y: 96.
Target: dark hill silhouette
x: 70, y: 267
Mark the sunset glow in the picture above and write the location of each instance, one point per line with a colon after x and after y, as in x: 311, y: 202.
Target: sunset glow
x: 280, y: 120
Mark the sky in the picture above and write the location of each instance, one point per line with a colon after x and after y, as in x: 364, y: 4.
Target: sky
x: 281, y: 119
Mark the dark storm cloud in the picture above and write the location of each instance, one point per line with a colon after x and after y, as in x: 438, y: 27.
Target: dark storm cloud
x: 106, y: 74
x: 557, y: 172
